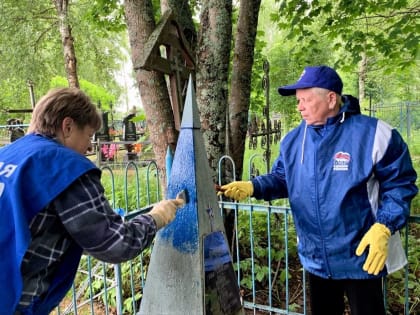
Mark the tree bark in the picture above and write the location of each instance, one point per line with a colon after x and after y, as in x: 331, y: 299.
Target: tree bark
x: 240, y: 90
x: 70, y: 61
x: 153, y: 90
x: 214, y: 44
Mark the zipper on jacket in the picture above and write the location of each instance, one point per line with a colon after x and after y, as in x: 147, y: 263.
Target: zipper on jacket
x: 318, y: 215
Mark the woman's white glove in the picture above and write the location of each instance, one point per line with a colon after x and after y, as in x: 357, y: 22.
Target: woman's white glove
x: 164, y: 211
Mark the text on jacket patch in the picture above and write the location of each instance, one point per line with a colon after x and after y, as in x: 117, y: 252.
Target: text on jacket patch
x: 341, y: 161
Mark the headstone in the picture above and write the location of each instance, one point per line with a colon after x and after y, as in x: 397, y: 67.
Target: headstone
x: 103, y: 133
x: 17, y: 131
x: 129, y: 134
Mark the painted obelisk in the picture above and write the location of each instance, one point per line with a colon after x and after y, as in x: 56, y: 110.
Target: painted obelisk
x: 190, y: 269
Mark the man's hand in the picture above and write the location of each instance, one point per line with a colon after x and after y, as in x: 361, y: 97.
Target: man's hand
x: 237, y: 190
x: 377, y: 239
x: 164, y: 211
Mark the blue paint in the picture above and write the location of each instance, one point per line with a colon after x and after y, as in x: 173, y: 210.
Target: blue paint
x: 183, y: 231
x: 216, y: 252
x: 169, y: 160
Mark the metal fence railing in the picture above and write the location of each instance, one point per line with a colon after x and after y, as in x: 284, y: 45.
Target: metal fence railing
x: 9, y: 133
x: 404, y: 116
x: 263, y: 250
x: 264, y: 254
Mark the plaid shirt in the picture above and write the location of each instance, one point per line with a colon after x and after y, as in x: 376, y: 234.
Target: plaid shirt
x: 83, y: 215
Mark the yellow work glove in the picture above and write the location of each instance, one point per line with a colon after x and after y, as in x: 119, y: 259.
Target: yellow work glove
x: 164, y: 211
x: 377, y: 239
x: 237, y: 190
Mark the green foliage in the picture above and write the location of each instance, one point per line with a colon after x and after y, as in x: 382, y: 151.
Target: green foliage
x: 339, y: 34
x: 139, y: 117
x: 254, y: 160
x: 388, y: 30
x: 260, y: 270
x: 288, y: 56
x: 257, y: 93
x: 395, y: 281
x: 107, y: 14
x: 131, y: 189
x: 96, y: 93
x: 27, y: 50
x: 31, y: 48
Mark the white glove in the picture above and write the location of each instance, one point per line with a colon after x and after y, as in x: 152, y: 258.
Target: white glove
x: 164, y: 211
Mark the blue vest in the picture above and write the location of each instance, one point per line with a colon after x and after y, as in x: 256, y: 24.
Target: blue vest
x: 34, y: 170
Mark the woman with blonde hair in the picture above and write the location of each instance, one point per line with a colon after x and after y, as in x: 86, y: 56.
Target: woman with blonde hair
x: 53, y: 207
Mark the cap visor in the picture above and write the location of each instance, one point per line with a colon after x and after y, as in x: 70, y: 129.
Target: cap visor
x: 286, y: 91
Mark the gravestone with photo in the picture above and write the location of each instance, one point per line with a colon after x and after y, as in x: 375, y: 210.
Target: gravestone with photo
x: 129, y: 134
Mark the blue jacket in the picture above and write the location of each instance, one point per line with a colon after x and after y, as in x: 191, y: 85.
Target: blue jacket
x: 34, y: 170
x: 341, y: 178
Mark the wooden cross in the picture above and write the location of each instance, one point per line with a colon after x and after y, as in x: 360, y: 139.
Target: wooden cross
x: 167, y: 51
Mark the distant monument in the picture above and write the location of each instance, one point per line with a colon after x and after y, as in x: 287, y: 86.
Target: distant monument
x: 15, y: 129
x: 130, y: 134
x: 102, y: 135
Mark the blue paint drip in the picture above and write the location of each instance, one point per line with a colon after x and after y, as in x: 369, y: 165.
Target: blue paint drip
x: 169, y: 160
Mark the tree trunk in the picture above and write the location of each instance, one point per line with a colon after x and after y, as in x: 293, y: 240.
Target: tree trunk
x: 214, y: 44
x: 70, y: 62
x: 153, y: 90
x: 240, y: 91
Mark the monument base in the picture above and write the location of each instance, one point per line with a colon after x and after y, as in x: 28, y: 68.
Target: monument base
x: 130, y: 156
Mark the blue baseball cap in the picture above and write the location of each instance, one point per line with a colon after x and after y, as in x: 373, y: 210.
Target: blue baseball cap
x: 318, y: 76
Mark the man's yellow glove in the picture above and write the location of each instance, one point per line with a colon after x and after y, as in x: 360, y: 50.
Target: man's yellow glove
x: 377, y: 239
x: 237, y: 190
x: 164, y: 211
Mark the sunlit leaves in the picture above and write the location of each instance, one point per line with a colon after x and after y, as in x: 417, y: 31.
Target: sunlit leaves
x: 363, y: 26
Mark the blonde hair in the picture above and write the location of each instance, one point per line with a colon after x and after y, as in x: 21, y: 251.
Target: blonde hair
x: 60, y: 103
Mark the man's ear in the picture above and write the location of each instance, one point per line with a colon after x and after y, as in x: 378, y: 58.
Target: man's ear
x: 332, y: 100
x: 67, y: 126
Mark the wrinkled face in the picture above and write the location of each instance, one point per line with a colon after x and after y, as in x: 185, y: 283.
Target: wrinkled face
x: 78, y: 139
x: 316, y: 105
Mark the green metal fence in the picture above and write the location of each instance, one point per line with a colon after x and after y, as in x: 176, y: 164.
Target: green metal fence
x: 264, y: 254
x: 405, y: 117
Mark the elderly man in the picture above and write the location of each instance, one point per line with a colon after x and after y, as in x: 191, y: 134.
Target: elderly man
x: 350, y: 180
